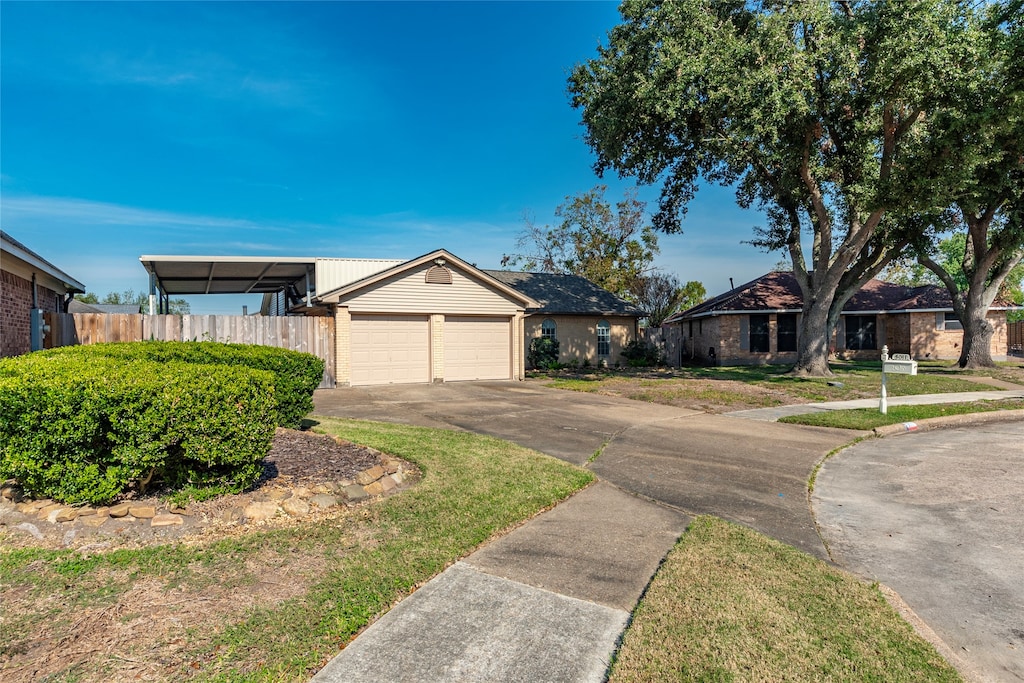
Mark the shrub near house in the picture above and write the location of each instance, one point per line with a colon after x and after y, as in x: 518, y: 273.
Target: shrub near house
x: 88, y: 424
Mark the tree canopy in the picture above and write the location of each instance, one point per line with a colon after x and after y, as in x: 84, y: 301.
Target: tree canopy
x: 611, y: 247
x: 129, y: 296
x: 818, y: 113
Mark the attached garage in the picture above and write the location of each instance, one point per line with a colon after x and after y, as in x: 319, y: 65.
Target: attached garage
x: 477, y: 348
x: 390, y: 349
x: 432, y: 319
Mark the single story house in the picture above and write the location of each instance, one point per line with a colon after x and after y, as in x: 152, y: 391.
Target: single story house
x: 590, y: 323
x: 435, y: 318
x: 758, y: 323
x: 28, y: 282
x: 76, y: 306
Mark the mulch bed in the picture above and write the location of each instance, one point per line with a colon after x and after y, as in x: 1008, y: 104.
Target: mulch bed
x: 308, y: 458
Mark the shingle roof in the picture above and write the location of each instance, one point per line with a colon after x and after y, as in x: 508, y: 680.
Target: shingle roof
x: 565, y: 294
x: 76, y: 306
x: 780, y: 291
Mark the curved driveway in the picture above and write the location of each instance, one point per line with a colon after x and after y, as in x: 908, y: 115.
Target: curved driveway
x: 753, y: 473
x: 939, y: 517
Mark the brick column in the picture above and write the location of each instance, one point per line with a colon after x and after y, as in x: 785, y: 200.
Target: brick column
x: 343, y: 346
x: 437, y: 348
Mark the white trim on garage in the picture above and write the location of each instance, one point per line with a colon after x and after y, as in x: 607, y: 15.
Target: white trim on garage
x: 477, y: 348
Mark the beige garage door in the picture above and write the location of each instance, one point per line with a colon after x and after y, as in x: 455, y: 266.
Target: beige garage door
x: 477, y: 348
x: 393, y: 349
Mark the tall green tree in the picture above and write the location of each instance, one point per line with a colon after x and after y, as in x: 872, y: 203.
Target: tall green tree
x: 988, y: 214
x: 818, y: 112
x: 612, y: 247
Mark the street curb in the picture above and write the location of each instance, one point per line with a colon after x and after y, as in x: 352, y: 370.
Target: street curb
x: 948, y: 421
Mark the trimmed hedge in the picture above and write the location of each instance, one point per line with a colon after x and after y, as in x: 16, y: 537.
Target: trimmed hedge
x: 83, y: 429
x: 296, y: 374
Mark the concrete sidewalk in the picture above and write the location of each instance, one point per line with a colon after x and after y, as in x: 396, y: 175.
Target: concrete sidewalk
x: 546, y: 602
x: 773, y: 414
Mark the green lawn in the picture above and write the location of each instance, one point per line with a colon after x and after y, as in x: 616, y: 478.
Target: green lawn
x: 729, y: 604
x: 718, y: 389
x: 869, y: 418
x: 271, y: 605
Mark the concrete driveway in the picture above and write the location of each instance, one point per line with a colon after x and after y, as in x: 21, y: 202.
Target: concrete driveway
x: 939, y: 517
x: 753, y: 473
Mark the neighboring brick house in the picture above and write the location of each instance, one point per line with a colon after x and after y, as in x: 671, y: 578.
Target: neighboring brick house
x: 590, y: 323
x: 758, y: 323
x: 28, y: 281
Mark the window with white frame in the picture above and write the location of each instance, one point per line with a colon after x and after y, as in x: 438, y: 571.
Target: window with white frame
x: 604, y: 338
x: 547, y: 328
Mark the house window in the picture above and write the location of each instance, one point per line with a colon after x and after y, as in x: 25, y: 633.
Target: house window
x: 604, y: 339
x: 786, y: 331
x: 547, y: 328
x: 860, y: 332
x: 759, y: 333
x: 951, y: 322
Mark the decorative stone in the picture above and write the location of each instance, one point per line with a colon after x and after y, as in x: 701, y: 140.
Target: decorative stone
x: 355, y: 492
x: 178, y: 510
x: 119, y: 510
x: 36, y: 505
x: 103, y: 511
x: 391, y: 466
x: 69, y: 537
x: 301, y: 492
x: 259, y: 511
x: 321, y: 488
x: 234, y: 514
x: 142, y: 511
x: 86, y: 511
x: 32, y: 529
x: 11, y: 493
x: 44, y: 512
x: 371, y: 475
x: 167, y: 520
x: 278, y: 494
x: 398, y: 477
x: 295, y: 507
x: 388, y: 484
x: 323, y: 500
x: 374, y: 489
x: 65, y: 515
x: 95, y: 521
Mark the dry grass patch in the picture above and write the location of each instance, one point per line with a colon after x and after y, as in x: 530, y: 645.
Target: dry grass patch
x: 730, y: 604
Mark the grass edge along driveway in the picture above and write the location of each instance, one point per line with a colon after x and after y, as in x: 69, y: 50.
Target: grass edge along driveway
x: 729, y: 604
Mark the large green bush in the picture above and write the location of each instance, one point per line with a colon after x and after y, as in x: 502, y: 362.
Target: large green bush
x: 543, y: 353
x: 296, y: 374
x: 86, y: 428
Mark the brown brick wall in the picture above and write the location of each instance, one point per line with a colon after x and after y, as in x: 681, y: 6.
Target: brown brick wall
x: 577, y: 336
x: 15, y: 316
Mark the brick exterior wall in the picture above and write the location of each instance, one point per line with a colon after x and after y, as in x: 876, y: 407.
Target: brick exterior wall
x: 916, y: 334
x: 15, y: 315
x: 342, y: 346
x: 437, y: 347
x: 577, y: 336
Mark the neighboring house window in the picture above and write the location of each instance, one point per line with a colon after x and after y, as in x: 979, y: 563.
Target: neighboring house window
x: 604, y: 339
x: 951, y: 322
x: 860, y: 332
x: 759, y: 333
x: 547, y: 328
x: 786, y: 331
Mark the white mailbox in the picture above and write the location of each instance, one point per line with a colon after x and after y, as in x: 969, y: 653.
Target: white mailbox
x: 900, y: 364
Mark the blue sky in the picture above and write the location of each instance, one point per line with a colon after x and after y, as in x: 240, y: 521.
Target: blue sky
x: 378, y: 130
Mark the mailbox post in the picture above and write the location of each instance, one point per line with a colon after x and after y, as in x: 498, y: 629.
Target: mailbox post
x: 901, y: 364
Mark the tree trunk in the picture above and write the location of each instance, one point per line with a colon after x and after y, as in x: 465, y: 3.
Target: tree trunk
x: 814, y: 340
x: 976, y: 351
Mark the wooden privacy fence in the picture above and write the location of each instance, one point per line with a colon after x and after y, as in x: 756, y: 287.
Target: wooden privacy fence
x: 312, y: 334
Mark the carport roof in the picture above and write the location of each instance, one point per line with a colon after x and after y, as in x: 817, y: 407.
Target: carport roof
x: 228, y: 274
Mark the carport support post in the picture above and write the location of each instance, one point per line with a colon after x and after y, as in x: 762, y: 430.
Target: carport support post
x: 882, y: 406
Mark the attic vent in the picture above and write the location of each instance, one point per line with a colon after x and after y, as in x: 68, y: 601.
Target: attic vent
x: 439, y: 275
